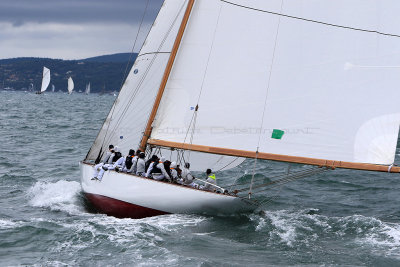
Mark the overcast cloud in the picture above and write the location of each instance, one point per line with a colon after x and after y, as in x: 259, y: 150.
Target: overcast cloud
x: 72, y: 29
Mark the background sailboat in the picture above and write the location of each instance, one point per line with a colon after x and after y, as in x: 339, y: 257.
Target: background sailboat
x: 87, y: 91
x: 53, y: 88
x: 291, y: 98
x: 70, y: 85
x: 45, y: 80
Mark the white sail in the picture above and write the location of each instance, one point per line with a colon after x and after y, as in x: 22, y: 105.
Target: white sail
x: 125, y: 124
x: 45, y: 79
x: 261, y: 67
x: 87, y: 91
x: 70, y: 85
x: 53, y: 88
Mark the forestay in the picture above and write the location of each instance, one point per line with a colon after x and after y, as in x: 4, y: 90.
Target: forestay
x: 45, y: 79
x: 299, y: 78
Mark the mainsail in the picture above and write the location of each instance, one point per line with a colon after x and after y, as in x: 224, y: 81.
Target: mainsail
x: 45, y: 79
x: 270, y: 80
x: 70, y: 85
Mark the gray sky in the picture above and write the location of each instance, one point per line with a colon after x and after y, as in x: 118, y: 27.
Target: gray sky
x: 72, y: 29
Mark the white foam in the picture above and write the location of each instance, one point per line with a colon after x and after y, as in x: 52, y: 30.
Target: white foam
x: 60, y: 196
x: 6, y: 224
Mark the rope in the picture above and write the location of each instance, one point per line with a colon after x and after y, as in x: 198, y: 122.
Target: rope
x: 313, y: 21
x: 285, y: 180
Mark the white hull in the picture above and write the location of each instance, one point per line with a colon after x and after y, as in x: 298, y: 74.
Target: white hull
x: 157, y: 197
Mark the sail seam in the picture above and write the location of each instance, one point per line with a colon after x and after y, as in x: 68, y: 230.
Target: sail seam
x: 311, y: 20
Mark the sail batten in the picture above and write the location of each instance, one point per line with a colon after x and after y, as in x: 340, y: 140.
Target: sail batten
x: 276, y: 157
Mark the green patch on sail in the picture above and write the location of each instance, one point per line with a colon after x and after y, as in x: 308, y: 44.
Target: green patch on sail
x: 277, y: 134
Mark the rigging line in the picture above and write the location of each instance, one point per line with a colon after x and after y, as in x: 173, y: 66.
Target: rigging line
x: 284, y: 176
x: 226, y: 164
x: 286, y: 180
x: 146, y: 72
x: 266, y: 97
x: 311, y: 20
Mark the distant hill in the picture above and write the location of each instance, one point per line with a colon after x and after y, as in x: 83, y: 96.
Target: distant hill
x: 121, y: 57
x: 105, y: 71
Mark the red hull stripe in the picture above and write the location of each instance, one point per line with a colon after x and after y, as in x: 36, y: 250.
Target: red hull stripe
x: 121, y: 209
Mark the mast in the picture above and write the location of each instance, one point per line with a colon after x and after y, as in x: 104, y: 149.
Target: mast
x: 167, y: 72
x: 275, y: 157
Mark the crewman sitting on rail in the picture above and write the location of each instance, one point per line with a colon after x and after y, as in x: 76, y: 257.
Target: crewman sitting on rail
x: 159, y: 172
x: 187, y: 177
x: 117, y: 163
x: 152, y: 162
x: 128, y: 161
x: 210, y: 182
x: 105, y: 160
x: 133, y: 168
x: 174, y: 172
x: 140, y: 170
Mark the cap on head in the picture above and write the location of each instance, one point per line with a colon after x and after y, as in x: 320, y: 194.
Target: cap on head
x: 154, y: 158
x: 162, y: 159
x: 110, y: 147
x: 116, y: 149
x: 141, y: 155
x: 173, y: 164
x: 131, y: 152
x: 208, y: 171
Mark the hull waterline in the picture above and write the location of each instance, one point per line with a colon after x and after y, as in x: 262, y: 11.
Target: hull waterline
x: 128, y: 196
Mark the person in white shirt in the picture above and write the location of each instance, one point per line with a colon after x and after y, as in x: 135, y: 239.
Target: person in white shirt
x: 174, y: 172
x: 105, y: 160
x: 159, y: 173
x: 118, y: 162
x: 140, y: 170
x: 152, y: 162
x: 187, y: 177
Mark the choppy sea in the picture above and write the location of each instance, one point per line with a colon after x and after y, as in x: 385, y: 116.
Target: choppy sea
x: 338, y: 218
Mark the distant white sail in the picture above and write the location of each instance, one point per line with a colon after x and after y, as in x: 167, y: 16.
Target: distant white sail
x: 70, y: 85
x: 53, y: 88
x: 45, y: 79
x: 87, y: 91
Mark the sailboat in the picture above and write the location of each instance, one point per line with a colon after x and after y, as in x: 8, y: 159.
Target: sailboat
x: 45, y: 80
x: 222, y: 81
x: 70, y: 85
x: 87, y: 91
x: 53, y: 88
